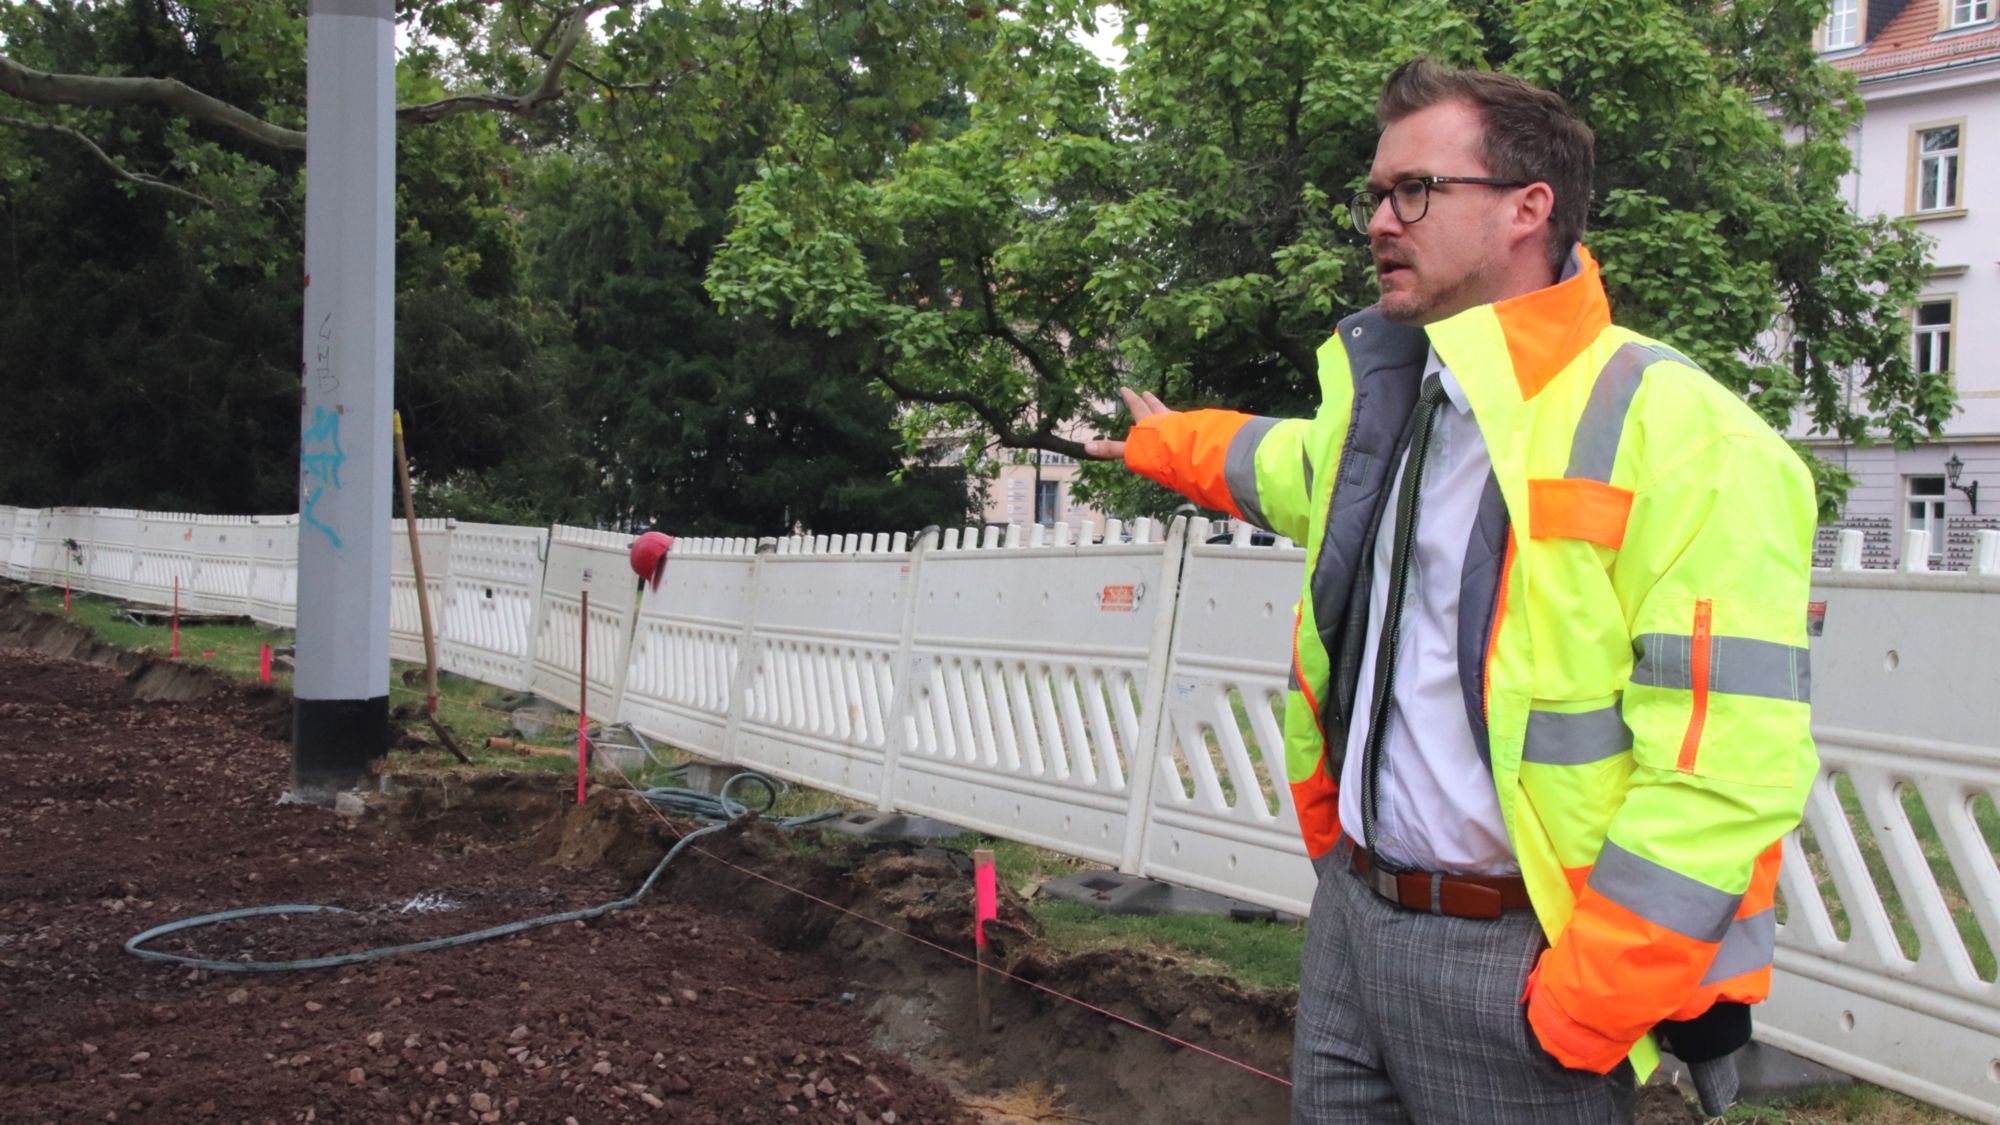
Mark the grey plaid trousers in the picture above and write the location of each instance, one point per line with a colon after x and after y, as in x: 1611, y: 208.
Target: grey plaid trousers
x: 1409, y: 1017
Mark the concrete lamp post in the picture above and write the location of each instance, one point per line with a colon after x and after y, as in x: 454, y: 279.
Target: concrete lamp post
x: 341, y: 686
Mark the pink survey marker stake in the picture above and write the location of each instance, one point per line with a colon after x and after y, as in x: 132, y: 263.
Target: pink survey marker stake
x: 264, y: 663
x: 988, y: 888
x: 582, y: 692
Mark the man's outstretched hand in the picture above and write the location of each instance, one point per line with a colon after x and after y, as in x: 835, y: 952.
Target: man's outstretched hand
x: 1142, y: 406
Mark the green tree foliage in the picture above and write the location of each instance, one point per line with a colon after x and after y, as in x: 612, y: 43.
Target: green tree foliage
x: 701, y: 422
x: 152, y: 335
x: 556, y: 355
x: 943, y: 218
x: 1174, y: 224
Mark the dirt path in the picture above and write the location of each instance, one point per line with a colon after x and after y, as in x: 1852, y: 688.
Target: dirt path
x: 118, y: 815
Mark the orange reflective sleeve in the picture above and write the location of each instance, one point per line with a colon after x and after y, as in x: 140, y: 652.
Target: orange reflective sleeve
x: 1317, y: 800
x: 1188, y: 451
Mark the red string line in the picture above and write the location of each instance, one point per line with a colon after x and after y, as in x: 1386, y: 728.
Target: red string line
x: 946, y: 950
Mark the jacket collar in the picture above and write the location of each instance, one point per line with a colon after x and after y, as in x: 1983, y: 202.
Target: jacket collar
x: 1546, y: 329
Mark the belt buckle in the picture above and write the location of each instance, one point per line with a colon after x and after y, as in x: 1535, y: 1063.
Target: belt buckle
x: 1384, y: 883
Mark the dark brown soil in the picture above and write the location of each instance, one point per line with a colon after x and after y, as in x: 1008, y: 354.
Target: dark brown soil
x: 122, y: 814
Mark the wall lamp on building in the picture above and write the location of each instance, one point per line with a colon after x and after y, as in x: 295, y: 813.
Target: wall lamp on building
x: 1954, y: 467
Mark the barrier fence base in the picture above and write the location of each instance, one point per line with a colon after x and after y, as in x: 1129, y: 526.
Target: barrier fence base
x: 1117, y: 893
x: 1768, y: 1073
x: 333, y: 740
x: 893, y: 826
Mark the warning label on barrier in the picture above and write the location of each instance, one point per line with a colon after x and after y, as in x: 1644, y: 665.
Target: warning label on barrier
x: 1118, y: 599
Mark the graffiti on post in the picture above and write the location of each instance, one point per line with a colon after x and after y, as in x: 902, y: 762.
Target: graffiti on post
x: 320, y: 458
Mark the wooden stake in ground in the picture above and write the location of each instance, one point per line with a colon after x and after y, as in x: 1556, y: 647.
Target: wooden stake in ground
x: 986, y: 890
x: 417, y: 563
x: 423, y: 597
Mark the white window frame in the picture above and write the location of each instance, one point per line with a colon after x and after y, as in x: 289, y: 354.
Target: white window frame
x: 1950, y: 197
x: 1931, y: 344
x: 1965, y: 13
x: 1846, y: 15
x: 1932, y: 519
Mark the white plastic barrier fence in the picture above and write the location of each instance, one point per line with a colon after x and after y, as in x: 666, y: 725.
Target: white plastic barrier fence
x: 406, y: 623
x: 818, y: 691
x: 1031, y: 709
x: 1121, y: 703
x: 165, y: 558
x: 493, y: 592
x: 582, y: 560
x: 20, y: 545
x: 53, y: 561
x: 111, y: 554
x: 687, y: 644
x: 1890, y: 898
x: 223, y: 549
x: 274, y: 570
x: 1222, y: 818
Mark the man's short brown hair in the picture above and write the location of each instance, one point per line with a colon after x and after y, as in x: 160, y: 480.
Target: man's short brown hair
x: 1530, y: 135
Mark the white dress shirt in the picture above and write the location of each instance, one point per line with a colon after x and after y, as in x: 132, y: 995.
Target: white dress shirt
x: 1437, y: 809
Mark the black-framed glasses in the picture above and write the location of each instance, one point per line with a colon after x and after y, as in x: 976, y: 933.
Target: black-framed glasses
x: 1411, y: 199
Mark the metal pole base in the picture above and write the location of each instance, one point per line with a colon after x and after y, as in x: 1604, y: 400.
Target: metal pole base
x: 333, y: 740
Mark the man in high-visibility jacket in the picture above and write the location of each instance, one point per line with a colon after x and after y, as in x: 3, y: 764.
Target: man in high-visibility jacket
x: 1548, y: 716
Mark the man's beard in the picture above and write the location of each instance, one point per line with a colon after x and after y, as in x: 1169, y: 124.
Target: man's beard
x: 1417, y: 307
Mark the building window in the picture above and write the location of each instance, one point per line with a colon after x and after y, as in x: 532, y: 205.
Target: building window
x: 1932, y: 335
x: 1923, y: 503
x: 1939, y: 173
x: 1843, y: 25
x: 1048, y: 500
x: 1965, y: 12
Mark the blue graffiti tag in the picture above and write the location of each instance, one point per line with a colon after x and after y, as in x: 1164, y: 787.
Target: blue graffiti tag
x: 316, y: 462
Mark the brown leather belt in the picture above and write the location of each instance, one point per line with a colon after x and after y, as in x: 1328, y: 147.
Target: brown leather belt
x: 1456, y: 896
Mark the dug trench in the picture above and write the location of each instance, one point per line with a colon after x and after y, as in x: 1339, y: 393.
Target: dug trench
x: 147, y: 794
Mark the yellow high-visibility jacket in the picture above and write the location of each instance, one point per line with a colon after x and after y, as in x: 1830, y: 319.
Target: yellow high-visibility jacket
x: 1631, y: 632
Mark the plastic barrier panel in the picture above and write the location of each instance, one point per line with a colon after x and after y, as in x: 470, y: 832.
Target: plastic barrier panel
x: 1222, y: 817
x: 1032, y: 676
x: 685, y: 649
x: 274, y: 570
x: 406, y: 623
x: 597, y: 561
x: 166, y: 557
x: 111, y: 554
x: 223, y: 547
x: 58, y: 558
x: 20, y: 545
x: 1889, y: 899
x: 492, y: 590
x: 817, y: 704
